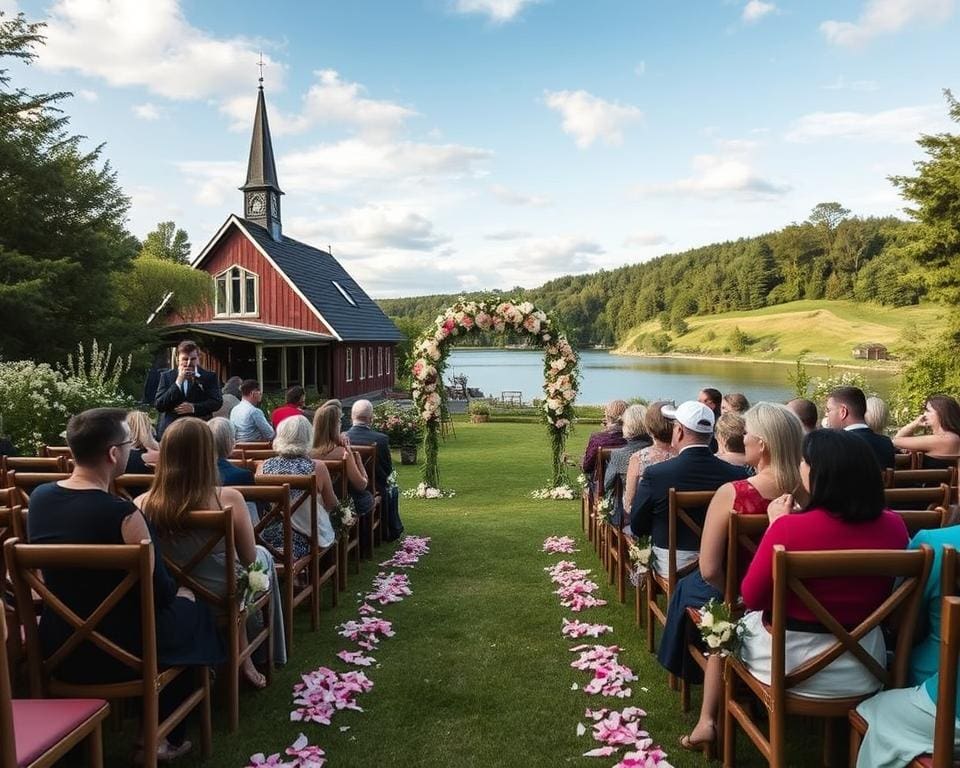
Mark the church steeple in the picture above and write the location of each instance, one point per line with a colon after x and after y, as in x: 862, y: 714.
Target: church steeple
x: 261, y: 191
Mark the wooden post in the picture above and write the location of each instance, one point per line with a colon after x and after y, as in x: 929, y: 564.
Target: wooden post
x: 283, y: 368
x: 260, y: 363
x: 303, y: 368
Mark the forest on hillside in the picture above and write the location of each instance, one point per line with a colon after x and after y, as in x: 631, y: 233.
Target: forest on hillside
x: 831, y: 255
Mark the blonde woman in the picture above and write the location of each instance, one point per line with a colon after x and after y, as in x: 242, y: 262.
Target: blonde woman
x: 292, y: 446
x: 772, y: 444
x: 144, y: 448
x: 877, y: 416
x: 186, y: 480
x: 327, y: 446
x: 729, y: 433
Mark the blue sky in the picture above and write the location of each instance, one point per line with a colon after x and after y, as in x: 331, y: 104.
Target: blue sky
x: 445, y: 145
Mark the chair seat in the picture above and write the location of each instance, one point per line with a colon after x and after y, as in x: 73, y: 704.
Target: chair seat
x: 40, y: 724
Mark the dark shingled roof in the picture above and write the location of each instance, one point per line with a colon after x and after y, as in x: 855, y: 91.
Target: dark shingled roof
x: 249, y: 331
x: 261, y: 168
x: 314, y: 272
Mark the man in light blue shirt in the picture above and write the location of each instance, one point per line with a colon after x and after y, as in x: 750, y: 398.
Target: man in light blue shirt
x: 249, y: 421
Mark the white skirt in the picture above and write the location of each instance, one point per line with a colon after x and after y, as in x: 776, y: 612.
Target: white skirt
x: 661, y: 559
x: 845, y: 676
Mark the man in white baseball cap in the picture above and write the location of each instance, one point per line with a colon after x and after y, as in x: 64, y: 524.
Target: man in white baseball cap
x: 695, y: 416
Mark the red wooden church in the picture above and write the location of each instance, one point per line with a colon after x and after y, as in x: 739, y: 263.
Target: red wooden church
x: 285, y: 312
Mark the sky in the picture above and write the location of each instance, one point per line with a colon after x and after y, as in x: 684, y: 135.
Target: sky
x: 457, y: 145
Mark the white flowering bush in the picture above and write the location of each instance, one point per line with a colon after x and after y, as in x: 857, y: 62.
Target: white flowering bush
x: 36, y: 400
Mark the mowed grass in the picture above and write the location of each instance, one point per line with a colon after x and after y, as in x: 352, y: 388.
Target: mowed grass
x: 820, y: 329
x: 478, y: 673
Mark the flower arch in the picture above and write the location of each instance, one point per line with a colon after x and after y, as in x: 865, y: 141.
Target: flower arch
x: 560, y: 371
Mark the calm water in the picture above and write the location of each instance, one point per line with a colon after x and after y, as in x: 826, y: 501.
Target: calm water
x: 606, y: 376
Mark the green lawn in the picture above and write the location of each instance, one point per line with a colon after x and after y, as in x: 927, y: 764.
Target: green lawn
x: 478, y: 673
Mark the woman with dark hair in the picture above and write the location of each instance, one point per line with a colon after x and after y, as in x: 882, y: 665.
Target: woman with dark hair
x: 941, y: 415
x: 846, y: 511
x: 713, y: 399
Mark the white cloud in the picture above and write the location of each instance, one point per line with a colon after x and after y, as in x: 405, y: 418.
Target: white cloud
x: 133, y: 43
x: 557, y: 255
x: 508, y: 234
x: 498, y: 11
x: 146, y: 111
x: 902, y: 124
x: 87, y: 95
x: 722, y: 174
x: 587, y: 117
x: 509, y: 196
x: 842, y: 84
x: 884, y: 17
x: 644, y: 239
x: 755, y: 10
x: 214, y: 182
x: 376, y: 227
x: 329, y: 101
x: 9, y: 7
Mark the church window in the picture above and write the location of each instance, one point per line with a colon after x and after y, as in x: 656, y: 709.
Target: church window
x: 363, y: 364
x: 236, y: 293
x: 349, y: 376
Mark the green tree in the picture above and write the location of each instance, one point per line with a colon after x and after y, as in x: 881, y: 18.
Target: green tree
x: 935, y: 197
x: 62, y: 236
x: 168, y: 243
x: 828, y: 215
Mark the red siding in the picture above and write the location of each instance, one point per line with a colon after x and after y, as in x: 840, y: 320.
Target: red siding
x: 278, y: 303
x: 369, y: 385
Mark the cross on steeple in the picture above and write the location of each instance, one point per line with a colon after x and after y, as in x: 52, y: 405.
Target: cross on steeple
x: 261, y: 65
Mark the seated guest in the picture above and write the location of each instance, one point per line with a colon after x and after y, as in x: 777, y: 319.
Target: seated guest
x: 344, y: 419
x: 806, y: 411
x: 847, y: 409
x: 295, y: 398
x: 231, y: 397
x: 611, y: 436
x: 713, y: 399
x: 224, y: 441
x: 941, y: 415
x: 635, y: 433
x: 362, y: 433
x: 186, y: 481
x: 7, y: 448
x: 730, y: 430
x: 845, y: 511
x: 694, y: 469
x: 81, y: 510
x: 144, y: 448
x: 877, y: 415
x: 660, y: 430
x: 735, y: 402
x: 247, y: 418
x: 901, y: 722
x: 326, y: 447
x: 772, y: 446
x: 292, y: 446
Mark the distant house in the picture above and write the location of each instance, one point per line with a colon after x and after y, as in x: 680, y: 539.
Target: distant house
x: 871, y: 351
x: 285, y: 312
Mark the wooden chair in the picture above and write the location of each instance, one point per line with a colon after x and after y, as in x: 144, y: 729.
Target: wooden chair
x: 39, y: 732
x: 255, y: 445
x: 26, y: 561
x: 373, y: 521
x: 921, y: 519
x: 348, y: 541
x: 321, y: 564
x: 600, y: 520
x: 258, y: 454
x: 679, y: 504
x: 217, y: 525
x: 131, y: 486
x: 918, y: 478
x: 917, y: 498
x: 13, y: 525
x: 25, y: 482
x: 905, y: 461
x: 57, y: 450
x: 30, y: 464
x: 617, y: 559
x: 790, y: 569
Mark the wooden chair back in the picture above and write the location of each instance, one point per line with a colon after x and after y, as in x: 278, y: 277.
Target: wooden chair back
x: 917, y: 498
x: 214, y: 527
x: 24, y: 483
x: 374, y: 536
x: 258, y: 454
x: 338, y: 476
x: 743, y: 535
x: 922, y: 519
x: 905, y: 461
x: 949, y: 572
x: 945, y: 725
x: 8, y: 744
x: 57, y: 450
x: 908, y: 570
x: 31, y: 464
x: 687, y: 508
x: 13, y: 525
x: 913, y: 478
x: 133, y: 564
x: 130, y: 486
x: 255, y: 445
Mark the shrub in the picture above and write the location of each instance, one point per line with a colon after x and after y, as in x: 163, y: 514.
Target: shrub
x: 739, y: 341
x: 478, y: 408
x: 401, y: 425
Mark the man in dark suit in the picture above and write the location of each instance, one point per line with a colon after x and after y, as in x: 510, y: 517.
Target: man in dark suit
x: 847, y: 410
x: 361, y: 433
x: 186, y: 390
x: 695, y: 468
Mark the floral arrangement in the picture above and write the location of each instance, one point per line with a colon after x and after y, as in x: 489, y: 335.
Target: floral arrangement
x: 465, y: 317
x: 254, y: 580
x: 557, y: 492
x: 604, y: 507
x: 402, y: 426
x: 424, y: 491
x: 392, y: 479
x: 583, y: 482
x: 343, y: 515
x: 719, y: 630
x: 641, y: 556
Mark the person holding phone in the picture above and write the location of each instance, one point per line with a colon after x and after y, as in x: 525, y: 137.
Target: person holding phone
x: 186, y: 390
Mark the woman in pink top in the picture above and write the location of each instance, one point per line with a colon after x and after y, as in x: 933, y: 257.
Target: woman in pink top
x: 846, y: 511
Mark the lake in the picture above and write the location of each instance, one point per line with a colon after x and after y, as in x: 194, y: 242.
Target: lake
x: 607, y: 376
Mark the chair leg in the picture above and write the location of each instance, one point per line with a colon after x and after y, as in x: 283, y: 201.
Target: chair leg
x: 650, y: 617
x: 288, y: 609
x: 233, y: 679
x: 95, y: 748
x: 729, y: 722
x: 151, y: 723
x: 855, y: 740
x: 206, y: 721
x: 315, y: 594
x: 684, y: 695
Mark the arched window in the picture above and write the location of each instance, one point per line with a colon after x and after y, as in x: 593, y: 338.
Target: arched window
x: 237, y: 293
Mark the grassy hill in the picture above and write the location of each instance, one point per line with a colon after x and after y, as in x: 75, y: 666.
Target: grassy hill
x: 812, y: 328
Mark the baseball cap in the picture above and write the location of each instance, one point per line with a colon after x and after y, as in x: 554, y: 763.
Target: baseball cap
x: 691, y: 414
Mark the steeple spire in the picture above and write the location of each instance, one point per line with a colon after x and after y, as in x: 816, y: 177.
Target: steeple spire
x: 261, y: 191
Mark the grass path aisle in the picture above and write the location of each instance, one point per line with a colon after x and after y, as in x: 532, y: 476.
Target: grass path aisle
x: 478, y: 673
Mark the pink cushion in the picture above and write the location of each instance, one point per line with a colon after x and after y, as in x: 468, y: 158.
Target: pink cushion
x: 38, y: 724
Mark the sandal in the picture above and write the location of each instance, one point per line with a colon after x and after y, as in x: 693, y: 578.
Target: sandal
x: 165, y: 752
x: 703, y: 745
x: 254, y: 677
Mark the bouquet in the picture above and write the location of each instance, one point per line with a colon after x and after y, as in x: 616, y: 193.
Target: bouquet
x: 392, y: 479
x: 254, y: 580
x: 583, y: 482
x: 604, y: 508
x: 343, y: 515
x: 719, y: 630
x: 641, y: 555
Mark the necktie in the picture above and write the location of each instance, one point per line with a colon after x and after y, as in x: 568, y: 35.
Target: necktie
x: 185, y: 385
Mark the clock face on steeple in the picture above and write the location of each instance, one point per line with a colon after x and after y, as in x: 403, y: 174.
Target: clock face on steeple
x: 257, y: 204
